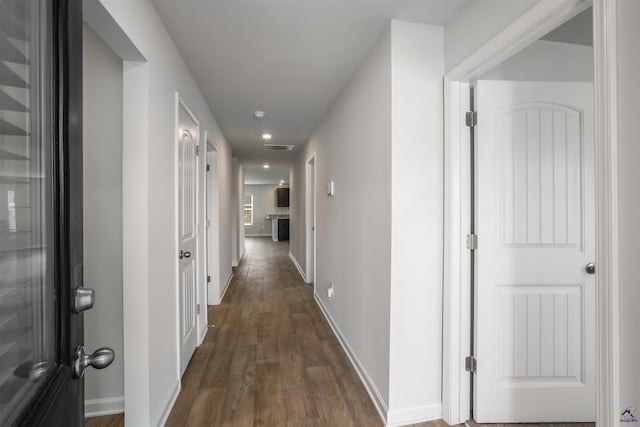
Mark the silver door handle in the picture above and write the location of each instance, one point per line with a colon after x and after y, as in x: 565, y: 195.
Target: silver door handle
x: 590, y: 268
x: 99, y: 359
x: 83, y: 299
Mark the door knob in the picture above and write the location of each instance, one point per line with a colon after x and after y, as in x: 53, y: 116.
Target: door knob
x: 99, y: 359
x: 590, y: 268
x: 184, y: 254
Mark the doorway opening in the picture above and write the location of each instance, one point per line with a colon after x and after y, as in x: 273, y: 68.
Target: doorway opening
x: 214, y: 295
x: 311, y: 221
x: 527, y: 322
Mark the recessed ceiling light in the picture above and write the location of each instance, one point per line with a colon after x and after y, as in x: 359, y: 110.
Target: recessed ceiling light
x: 266, y: 166
x: 267, y: 136
x: 258, y: 115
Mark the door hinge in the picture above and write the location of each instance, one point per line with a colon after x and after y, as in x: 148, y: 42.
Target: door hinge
x: 471, y: 118
x: 208, y: 223
x: 208, y: 168
x: 472, y: 242
x: 208, y: 279
x: 197, y: 150
x: 470, y: 364
x: 198, y: 308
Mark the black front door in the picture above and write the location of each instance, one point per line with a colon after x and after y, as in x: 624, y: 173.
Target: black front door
x: 40, y: 211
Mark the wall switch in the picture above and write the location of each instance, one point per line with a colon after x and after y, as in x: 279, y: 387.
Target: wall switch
x: 331, y: 189
x: 330, y: 291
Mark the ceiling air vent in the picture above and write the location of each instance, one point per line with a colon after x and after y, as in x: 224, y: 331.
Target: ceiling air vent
x: 278, y: 147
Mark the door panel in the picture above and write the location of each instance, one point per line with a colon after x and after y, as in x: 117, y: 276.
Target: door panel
x: 40, y: 211
x: 188, y: 134
x: 536, y: 230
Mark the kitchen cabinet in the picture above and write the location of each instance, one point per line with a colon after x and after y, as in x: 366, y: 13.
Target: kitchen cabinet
x: 282, y: 197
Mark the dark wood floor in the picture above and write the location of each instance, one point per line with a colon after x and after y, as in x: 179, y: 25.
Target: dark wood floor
x: 269, y: 357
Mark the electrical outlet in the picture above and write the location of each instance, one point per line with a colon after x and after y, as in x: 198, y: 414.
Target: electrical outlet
x: 330, y: 291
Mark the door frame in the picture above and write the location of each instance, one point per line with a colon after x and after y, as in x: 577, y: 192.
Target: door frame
x: 540, y: 19
x: 179, y: 102
x: 310, y: 216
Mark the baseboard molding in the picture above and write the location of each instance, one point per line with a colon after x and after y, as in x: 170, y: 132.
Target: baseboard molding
x: 107, y: 406
x: 295, y: 262
x: 169, y: 406
x: 226, y: 286
x: 414, y: 414
x: 258, y: 235
x: 374, y: 393
x: 203, y: 334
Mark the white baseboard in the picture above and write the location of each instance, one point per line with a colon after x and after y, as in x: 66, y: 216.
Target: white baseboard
x: 107, y: 406
x: 414, y: 415
x: 369, y: 385
x: 169, y: 406
x: 258, y: 235
x: 224, y: 290
x: 203, y: 334
x: 295, y: 262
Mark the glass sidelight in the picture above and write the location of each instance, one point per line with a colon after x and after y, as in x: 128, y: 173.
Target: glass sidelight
x: 27, y: 204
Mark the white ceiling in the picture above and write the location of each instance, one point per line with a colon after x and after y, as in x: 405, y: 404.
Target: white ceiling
x: 257, y: 174
x: 289, y: 58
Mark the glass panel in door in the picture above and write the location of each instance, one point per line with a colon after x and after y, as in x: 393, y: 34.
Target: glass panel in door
x: 27, y: 257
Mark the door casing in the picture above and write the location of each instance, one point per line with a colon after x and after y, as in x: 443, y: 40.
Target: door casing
x: 310, y: 221
x: 536, y: 22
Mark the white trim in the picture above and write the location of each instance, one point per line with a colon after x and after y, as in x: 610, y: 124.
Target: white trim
x: 607, y: 273
x: 540, y: 19
x: 414, y: 415
x: 365, y: 378
x: 224, y: 290
x: 297, y: 264
x: 136, y: 287
x: 169, y: 406
x: 203, y: 333
x: 456, y: 296
x: 528, y: 28
x: 257, y: 235
x: 312, y: 216
x: 106, y: 406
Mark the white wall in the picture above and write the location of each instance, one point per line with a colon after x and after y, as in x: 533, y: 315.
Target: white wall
x: 353, y: 148
x: 378, y: 240
x: 478, y: 22
x: 264, y: 203
x: 417, y: 69
x: 102, y: 193
x: 547, y: 61
x: 629, y: 205
x: 150, y: 242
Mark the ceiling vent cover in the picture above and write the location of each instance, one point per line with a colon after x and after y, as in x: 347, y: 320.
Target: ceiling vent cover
x: 278, y: 147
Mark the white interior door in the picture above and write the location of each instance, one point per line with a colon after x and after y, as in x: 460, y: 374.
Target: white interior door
x: 536, y: 233
x: 187, y: 233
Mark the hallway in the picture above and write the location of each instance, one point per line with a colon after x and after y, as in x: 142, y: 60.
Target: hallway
x: 270, y: 357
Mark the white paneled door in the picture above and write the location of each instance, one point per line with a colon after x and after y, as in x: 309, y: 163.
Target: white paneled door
x: 535, y: 222
x: 187, y: 233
